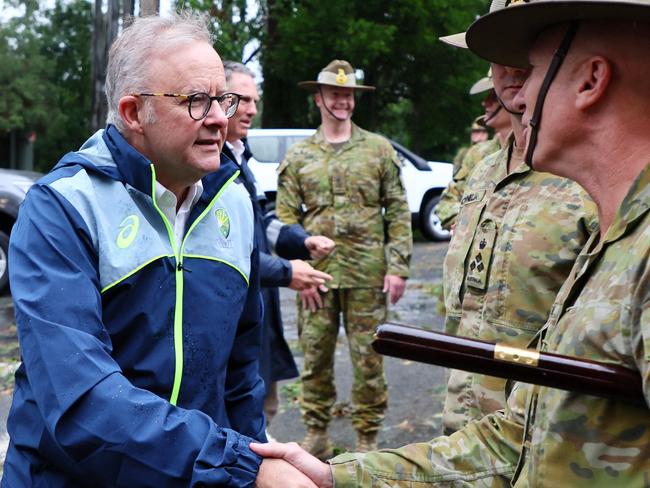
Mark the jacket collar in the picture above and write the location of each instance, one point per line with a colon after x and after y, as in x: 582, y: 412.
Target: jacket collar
x: 109, y: 153
x: 356, y: 136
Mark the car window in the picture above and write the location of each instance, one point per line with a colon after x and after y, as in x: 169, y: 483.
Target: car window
x: 267, y: 149
x: 271, y: 149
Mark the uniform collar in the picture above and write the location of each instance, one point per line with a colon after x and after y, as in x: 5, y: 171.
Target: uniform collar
x: 635, y: 206
x: 356, y: 136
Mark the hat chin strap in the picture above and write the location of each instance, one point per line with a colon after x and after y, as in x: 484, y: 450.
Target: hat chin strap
x: 556, y: 62
x: 322, y: 97
x: 503, y: 105
x: 494, y: 114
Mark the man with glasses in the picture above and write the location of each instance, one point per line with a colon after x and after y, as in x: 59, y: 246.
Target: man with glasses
x: 344, y: 182
x: 136, y: 290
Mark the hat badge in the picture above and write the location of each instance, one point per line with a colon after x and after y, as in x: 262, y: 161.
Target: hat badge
x: 341, y: 77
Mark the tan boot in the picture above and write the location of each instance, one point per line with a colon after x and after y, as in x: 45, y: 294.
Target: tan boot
x: 317, y: 443
x: 366, y: 441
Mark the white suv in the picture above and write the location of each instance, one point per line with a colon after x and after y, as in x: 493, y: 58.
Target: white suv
x: 424, y: 180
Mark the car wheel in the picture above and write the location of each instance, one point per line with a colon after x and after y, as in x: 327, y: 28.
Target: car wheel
x: 430, y: 223
x: 4, y: 269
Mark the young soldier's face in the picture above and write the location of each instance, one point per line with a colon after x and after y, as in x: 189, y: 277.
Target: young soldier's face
x: 339, y: 100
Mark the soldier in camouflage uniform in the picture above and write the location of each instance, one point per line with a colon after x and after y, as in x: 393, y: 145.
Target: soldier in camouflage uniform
x: 516, y: 238
x: 344, y: 183
x: 495, y: 118
x: 478, y: 134
x: 589, y: 70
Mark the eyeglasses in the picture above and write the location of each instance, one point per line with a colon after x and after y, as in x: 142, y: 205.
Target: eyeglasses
x: 199, y: 104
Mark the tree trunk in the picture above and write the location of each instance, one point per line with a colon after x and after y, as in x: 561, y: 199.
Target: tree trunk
x: 149, y: 7
x: 98, y: 104
x: 105, y: 28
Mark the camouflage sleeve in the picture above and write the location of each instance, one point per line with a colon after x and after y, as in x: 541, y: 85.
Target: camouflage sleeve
x: 399, y: 240
x: 449, y: 205
x: 483, y: 454
x: 288, y: 200
x: 458, y: 158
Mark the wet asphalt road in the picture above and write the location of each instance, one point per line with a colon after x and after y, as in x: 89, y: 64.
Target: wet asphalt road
x: 415, y: 391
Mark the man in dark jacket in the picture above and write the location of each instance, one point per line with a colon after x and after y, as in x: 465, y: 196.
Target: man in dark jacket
x: 134, y: 278
x: 276, y: 359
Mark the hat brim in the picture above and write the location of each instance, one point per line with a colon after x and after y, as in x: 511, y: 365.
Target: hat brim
x: 506, y: 36
x: 480, y: 121
x: 456, y: 40
x: 312, y: 86
x: 482, y: 85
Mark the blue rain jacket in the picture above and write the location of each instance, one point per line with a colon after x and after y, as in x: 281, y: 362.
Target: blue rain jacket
x: 139, y: 359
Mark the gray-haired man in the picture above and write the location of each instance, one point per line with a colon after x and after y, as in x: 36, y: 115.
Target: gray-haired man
x: 134, y: 278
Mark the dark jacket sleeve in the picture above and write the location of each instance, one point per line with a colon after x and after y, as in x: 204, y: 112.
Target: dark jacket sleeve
x: 288, y: 241
x: 274, y: 271
x: 95, y: 424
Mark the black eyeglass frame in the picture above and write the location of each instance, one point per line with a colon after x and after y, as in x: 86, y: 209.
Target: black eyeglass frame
x: 230, y: 111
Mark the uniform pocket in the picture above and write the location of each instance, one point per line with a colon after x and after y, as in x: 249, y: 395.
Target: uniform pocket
x: 480, y: 256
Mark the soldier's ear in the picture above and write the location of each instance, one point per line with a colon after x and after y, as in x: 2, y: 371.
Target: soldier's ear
x: 593, y: 78
x: 318, y: 100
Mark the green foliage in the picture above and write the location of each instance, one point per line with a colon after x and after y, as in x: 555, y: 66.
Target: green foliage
x: 421, y: 98
x: 422, y: 84
x: 233, y: 22
x: 45, y: 59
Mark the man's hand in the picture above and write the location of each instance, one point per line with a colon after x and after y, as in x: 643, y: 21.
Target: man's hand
x: 319, y: 246
x: 303, y: 276
x: 311, y: 299
x: 276, y: 472
x: 319, y: 472
x: 394, y: 286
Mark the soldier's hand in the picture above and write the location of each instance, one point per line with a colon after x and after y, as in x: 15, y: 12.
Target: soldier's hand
x: 394, y: 286
x: 319, y: 246
x: 303, y: 275
x: 311, y: 298
x: 319, y: 472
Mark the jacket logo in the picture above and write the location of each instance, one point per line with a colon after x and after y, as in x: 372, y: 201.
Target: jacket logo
x: 128, y: 230
x: 223, y: 221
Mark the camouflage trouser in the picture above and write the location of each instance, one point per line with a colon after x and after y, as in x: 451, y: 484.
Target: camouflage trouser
x: 362, y: 310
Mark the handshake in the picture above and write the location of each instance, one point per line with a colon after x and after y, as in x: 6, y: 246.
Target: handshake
x: 290, y: 465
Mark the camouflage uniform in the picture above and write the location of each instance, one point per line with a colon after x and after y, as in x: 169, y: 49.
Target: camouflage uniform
x: 458, y: 158
x: 449, y: 205
x: 517, y: 236
x: 601, y: 313
x: 340, y: 193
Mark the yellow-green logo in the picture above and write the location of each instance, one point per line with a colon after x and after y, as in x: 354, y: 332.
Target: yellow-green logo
x: 224, y: 221
x: 341, y: 77
x: 128, y: 230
